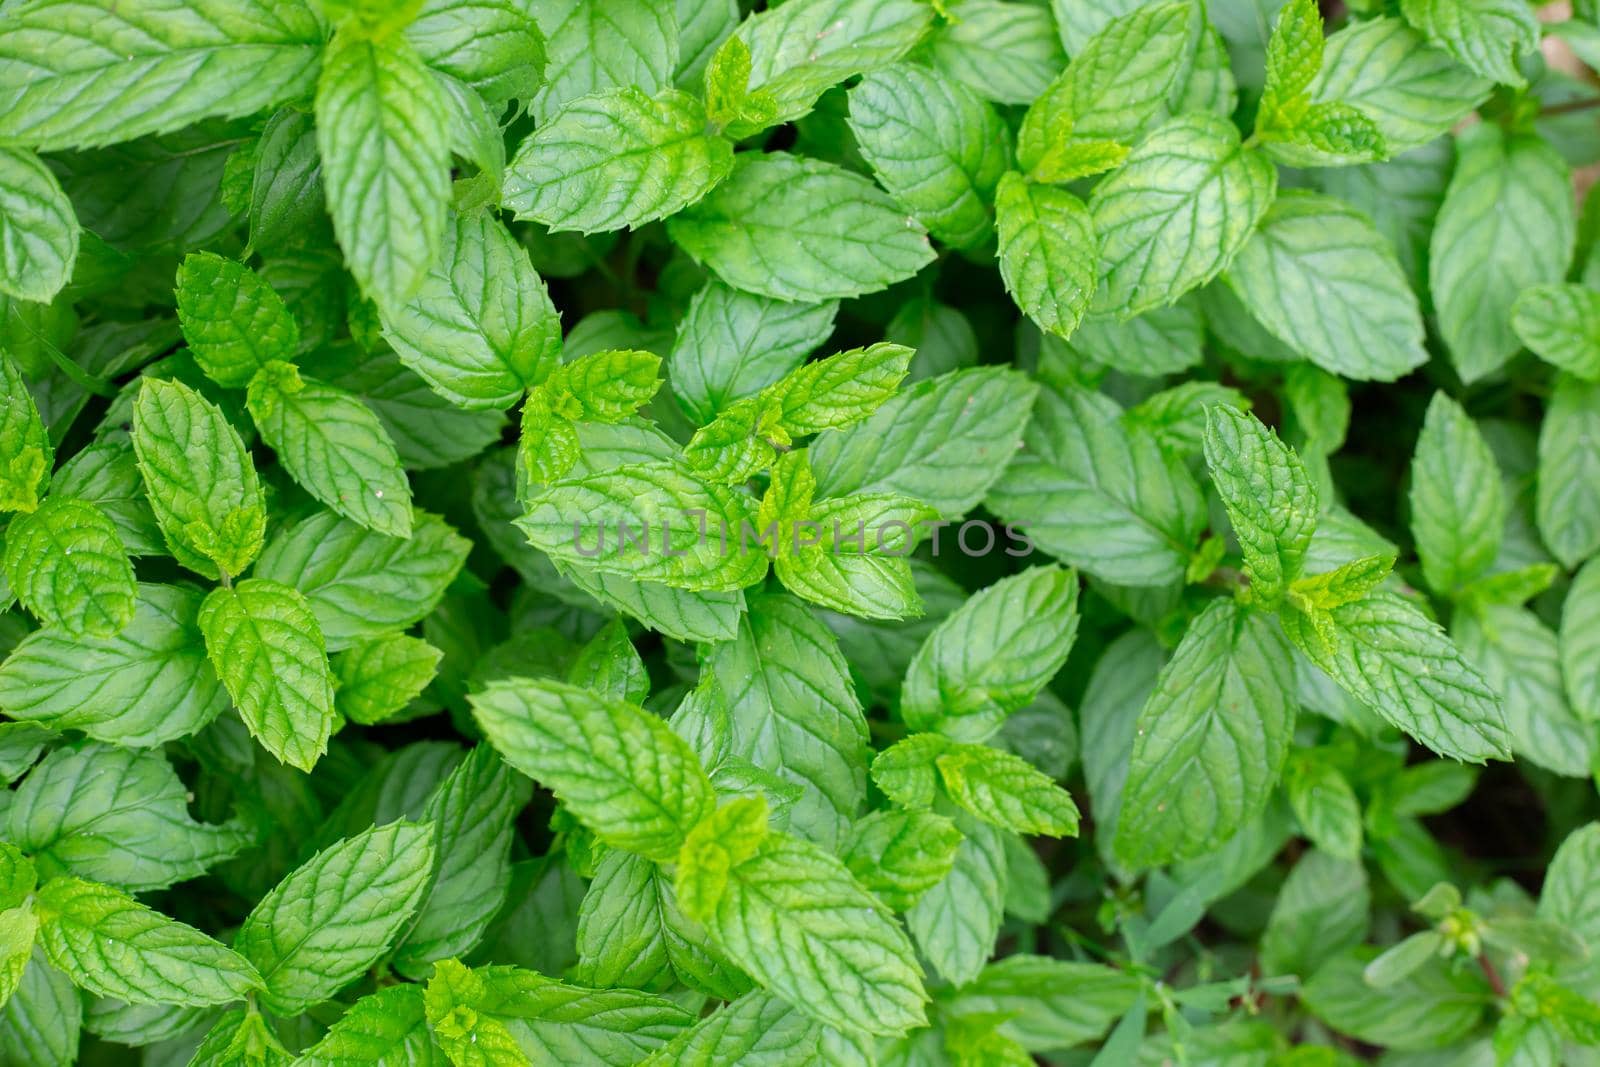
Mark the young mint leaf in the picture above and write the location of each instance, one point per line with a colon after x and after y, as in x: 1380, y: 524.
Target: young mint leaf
x: 1561, y: 324
x: 851, y: 557
x: 793, y: 917
x: 1412, y: 91
x: 936, y: 146
x: 731, y: 345
x: 382, y: 1027
x: 1567, y: 513
x: 25, y: 450
x: 67, y: 566
x: 1176, y: 213
x: 336, y: 915
x: 480, y: 327
x: 1116, y: 85
x: 333, y: 446
x: 148, y: 684
x: 616, y: 767
x: 234, y: 322
x: 38, y: 230
x: 1365, y: 322
x: 1458, y: 507
x: 110, y: 944
x: 1487, y: 36
x: 1294, y: 56
x: 1398, y: 663
x: 1099, y: 495
x: 198, y: 476
x: 1006, y: 790
x: 1048, y: 252
x: 956, y: 922
x: 382, y: 122
x: 361, y: 584
x: 77, y: 78
x: 899, y: 855
x: 264, y: 642
x: 1210, y: 741
x: 993, y: 655
x: 1479, y: 261
x: 1271, y: 501
x: 616, y: 159
x: 606, y: 386
x: 727, y: 83
x: 846, y: 38
x: 375, y: 680
x: 759, y: 1028
x: 843, y: 235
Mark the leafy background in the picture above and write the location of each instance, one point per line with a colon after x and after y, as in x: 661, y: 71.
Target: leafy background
x: 1277, y: 330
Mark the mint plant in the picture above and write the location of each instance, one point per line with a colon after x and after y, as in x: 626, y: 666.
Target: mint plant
x: 929, y: 533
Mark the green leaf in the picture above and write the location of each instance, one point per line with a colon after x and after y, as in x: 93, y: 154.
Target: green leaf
x: 1099, y: 495
x: 841, y: 235
x: 1294, y: 55
x: 1210, y: 741
x: 67, y: 566
x: 794, y: 918
x: 955, y: 923
x: 1580, y: 666
x: 844, y: 38
x: 1326, y: 807
x: 1568, y: 512
x: 1176, y: 213
x: 1006, y: 790
x: 1048, y: 252
x: 622, y: 937
x: 495, y: 46
x: 334, y: 447
x: 78, y: 77
x: 616, y: 159
x: 617, y: 768
x: 25, y: 449
x: 504, y: 1015
x: 1271, y: 500
x: 681, y: 531
x: 198, y: 477
x: 1003, y: 51
x: 590, y: 49
x: 1047, y: 1004
x: 286, y: 189
x: 472, y: 811
x: 793, y: 710
x: 376, y: 679
x: 943, y: 441
x: 1506, y: 224
x: 19, y: 928
x: 1566, y: 897
x: 145, y: 686
x: 731, y: 345
x: 1396, y: 661
x: 114, y: 815
x: 1487, y: 36
x: 1364, y: 322
x: 1411, y: 90
x: 936, y: 147
x: 38, y: 230
x: 1432, y: 1008
x: 234, y: 322
x: 1116, y: 85
x: 336, y: 915
x: 267, y: 648
x: 1519, y: 658
x: 899, y: 855
x: 606, y: 386
x: 480, y: 327
x: 1561, y: 323
x: 1320, y: 913
x: 382, y: 122
x: 993, y: 655
x: 759, y: 1028
x: 361, y: 584
x: 41, y: 1022
x: 112, y: 945
x: 388, y: 1026
x: 1458, y: 507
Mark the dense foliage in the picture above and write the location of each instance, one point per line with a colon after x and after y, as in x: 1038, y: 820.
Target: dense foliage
x: 863, y: 531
